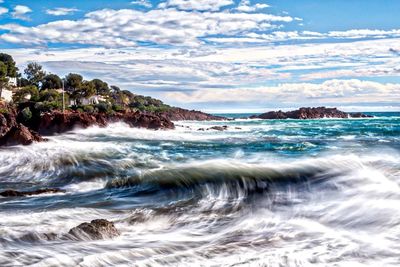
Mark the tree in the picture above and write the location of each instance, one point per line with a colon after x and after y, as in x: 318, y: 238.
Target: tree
x: 73, y: 81
x: 22, y: 82
x: 101, y: 87
x: 115, y: 89
x: 50, y: 95
x: 9, y: 62
x: 34, y: 73
x: 26, y: 93
x: 86, y: 90
x: 3, y: 77
x: 3, y: 70
x: 51, y: 81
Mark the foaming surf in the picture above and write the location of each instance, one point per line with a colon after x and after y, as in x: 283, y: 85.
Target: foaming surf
x: 260, y: 193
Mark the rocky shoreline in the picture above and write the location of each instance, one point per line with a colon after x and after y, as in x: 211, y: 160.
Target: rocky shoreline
x: 309, y: 113
x: 15, y: 130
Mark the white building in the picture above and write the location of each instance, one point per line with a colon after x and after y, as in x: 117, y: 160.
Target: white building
x: 6, y: 95
x: 12, y: 81
x: 93, y: 100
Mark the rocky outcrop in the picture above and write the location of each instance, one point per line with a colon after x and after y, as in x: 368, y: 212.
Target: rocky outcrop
x: 309, y: 113
x: 11, y: 131
x: 180, y: 114
x: 95, y: 230
x: 14, y: 193
x: 15, y: 131
x: 58, y: 122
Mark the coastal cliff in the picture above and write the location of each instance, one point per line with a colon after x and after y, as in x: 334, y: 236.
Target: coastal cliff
x: 16, y: 127
x: 309, y: 113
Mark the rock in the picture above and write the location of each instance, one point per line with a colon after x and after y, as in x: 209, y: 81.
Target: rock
x: 37, y: 237
x: 180, y: 114
x: 95, y: 230
x: 14, y: 193
x: 218, y: 128
x: 22, y: 135
x: 201, y: 129
x: 309, y: 113
x: 147, y: 120
x: 360, y: 115
x: 11, y: 131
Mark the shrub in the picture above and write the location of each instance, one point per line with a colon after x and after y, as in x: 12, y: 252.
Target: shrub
x: 47, y: 106
x: 118, y: 108
x: 104, y: 107
x: 26, y: 114
x: 88, y: 108
x: 4, y: 111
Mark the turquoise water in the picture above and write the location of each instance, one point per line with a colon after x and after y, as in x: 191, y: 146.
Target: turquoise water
x: 262, y: 193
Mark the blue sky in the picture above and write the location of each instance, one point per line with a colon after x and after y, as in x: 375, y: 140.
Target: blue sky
x: 220, y: 56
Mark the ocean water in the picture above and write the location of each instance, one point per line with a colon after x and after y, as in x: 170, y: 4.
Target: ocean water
x: 263, y: 193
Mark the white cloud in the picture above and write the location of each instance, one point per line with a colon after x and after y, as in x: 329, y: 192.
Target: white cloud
x: 61, y: 11
x: 201, y: 5
x: 244, y: 6
x: 293, y: 94
x: 20, y: 12
x: 144, y: 3
x: 3, y: 11
x: 279, y: 36
x: 126, y: 27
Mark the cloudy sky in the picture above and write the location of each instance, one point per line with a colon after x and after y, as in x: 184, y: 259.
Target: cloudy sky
x: 219, y: 55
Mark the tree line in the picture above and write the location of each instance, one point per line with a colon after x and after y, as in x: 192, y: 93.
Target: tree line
x: 36, y: 85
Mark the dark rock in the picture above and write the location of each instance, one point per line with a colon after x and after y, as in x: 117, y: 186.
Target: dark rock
x: 218, y: 128
x: 180, y: 114
x: 37, y: 237
x: 148, y: 120
x: 22, y: 135
x: 14, y: 193
x: 309, y: 113
x: 96, y: 229
x: 360, y: 115
x: 201, y: 129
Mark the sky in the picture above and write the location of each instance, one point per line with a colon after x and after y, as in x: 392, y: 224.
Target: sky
x: 219, y: 55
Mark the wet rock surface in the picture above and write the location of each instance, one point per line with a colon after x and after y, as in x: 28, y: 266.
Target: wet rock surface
x: 180, y: 114
x: 309, y: 113
x: 218, y: 128
x: 15, y: 193
x: 13, y: 132
x: 95, y: 230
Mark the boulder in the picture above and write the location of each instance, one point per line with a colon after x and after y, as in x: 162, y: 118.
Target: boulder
x: 95, y: 230
x: 218, y: 128
x: 14, y: 193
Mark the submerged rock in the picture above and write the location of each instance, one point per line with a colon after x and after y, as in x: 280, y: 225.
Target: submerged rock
x: 218, y: 128
x: 14, y: 193
x: 96, y: 229
x: 309, y: 113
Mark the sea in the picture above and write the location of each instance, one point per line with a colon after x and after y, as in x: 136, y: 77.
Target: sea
x: 262, y: 193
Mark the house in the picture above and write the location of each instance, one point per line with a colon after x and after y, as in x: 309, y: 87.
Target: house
x: 7, y: 94
x: 12, y: 81
x: 93, y: 100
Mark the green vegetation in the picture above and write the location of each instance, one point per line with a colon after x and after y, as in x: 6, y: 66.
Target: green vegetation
x: 10, y: 64
x: 44, y: 92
